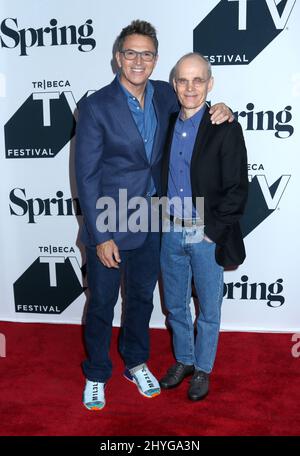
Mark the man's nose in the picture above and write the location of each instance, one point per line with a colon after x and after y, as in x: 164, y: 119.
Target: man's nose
x: 138, y: 59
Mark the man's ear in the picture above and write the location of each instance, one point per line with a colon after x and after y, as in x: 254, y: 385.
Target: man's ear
x: 210, y: 84
x: 118, y: 59
x: 174, y: 84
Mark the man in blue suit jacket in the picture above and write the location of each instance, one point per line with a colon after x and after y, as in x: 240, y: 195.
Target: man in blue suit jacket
x: 120, y: 136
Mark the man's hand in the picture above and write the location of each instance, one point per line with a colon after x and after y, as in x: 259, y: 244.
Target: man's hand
x: 220, y: 113
x: 207, y: 239
x: 108, y: 254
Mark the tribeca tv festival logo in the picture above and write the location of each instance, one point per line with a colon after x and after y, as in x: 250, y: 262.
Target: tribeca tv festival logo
x: 236, y: 31
x: 51, y: 283
x: 14, y: 37
x: 44, y: 123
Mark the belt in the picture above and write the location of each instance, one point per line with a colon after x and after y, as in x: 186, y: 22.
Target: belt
x: 186, y: 222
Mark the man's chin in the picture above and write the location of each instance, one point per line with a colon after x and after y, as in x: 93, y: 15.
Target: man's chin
x: 138, y: 82
x: 141, y: 75
x: 189, y: 106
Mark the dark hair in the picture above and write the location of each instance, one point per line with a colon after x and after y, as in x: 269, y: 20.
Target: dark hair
x: 140, y: 28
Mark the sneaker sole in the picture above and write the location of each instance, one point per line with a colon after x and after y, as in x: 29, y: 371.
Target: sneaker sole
x: 167, y: 387
x: 139, y: 390
x: 197, y: 398
x: 93, y: 408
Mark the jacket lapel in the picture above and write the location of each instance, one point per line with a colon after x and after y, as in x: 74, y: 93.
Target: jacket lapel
x: 167, y: 152
x: 202, y: 135
x: 124, y: 117
x: 156, y: 143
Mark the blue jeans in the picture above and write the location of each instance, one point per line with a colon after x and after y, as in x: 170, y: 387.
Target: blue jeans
x: 182, y: 259
x: 140, y: 268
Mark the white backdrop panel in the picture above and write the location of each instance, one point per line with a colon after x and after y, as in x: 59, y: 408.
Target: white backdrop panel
x: 262, y: 294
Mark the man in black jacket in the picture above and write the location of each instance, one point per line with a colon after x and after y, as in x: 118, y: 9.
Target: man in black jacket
x: 209, y: 161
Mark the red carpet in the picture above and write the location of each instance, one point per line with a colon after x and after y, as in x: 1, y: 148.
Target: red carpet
x: 255, y: 388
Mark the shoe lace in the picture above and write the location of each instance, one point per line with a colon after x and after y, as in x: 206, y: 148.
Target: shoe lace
x: 176, y: 369
x: 200, y: 376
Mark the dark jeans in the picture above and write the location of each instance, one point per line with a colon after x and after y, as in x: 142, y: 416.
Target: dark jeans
x: 140, y: 268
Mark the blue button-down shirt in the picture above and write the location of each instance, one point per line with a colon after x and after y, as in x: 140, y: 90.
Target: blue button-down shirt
x: 146, y: 122
x: 179, y: 182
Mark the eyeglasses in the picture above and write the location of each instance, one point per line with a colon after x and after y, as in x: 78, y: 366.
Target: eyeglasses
x: 130, y: 54
x: 196, y: 82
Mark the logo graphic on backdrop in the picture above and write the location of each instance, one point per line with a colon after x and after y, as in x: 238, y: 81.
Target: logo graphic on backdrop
x: 51, y: 283
x: 43, y: 124
x: 236, y: 31
x: 32, y: 208
x: 253, y: 119
x: 54, y: 34
x: 257, y: 291
x: 263, y: 199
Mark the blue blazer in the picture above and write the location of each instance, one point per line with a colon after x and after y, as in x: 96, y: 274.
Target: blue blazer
x: 110, y: 155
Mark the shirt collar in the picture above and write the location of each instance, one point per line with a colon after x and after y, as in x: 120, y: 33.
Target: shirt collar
x: 149, y: 91
x: 195, y: 119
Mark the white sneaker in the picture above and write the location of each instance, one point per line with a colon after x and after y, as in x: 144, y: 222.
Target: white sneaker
x: 145, y: 381
x: 93, y: 395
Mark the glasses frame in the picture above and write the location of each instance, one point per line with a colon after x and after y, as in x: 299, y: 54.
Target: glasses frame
x: 196, y: 82
x: 141, y: 54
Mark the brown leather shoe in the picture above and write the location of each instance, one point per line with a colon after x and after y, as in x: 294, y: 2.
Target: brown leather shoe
x: 175, y: 375
x: 199, y: 386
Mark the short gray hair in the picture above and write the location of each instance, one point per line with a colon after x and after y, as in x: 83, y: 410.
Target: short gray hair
x: 193, y: 54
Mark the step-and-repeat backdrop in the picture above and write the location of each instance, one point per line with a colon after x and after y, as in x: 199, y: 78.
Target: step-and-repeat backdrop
x: 53, y: 53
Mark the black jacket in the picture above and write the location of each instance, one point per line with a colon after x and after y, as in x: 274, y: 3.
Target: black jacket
x: 219, y: 174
